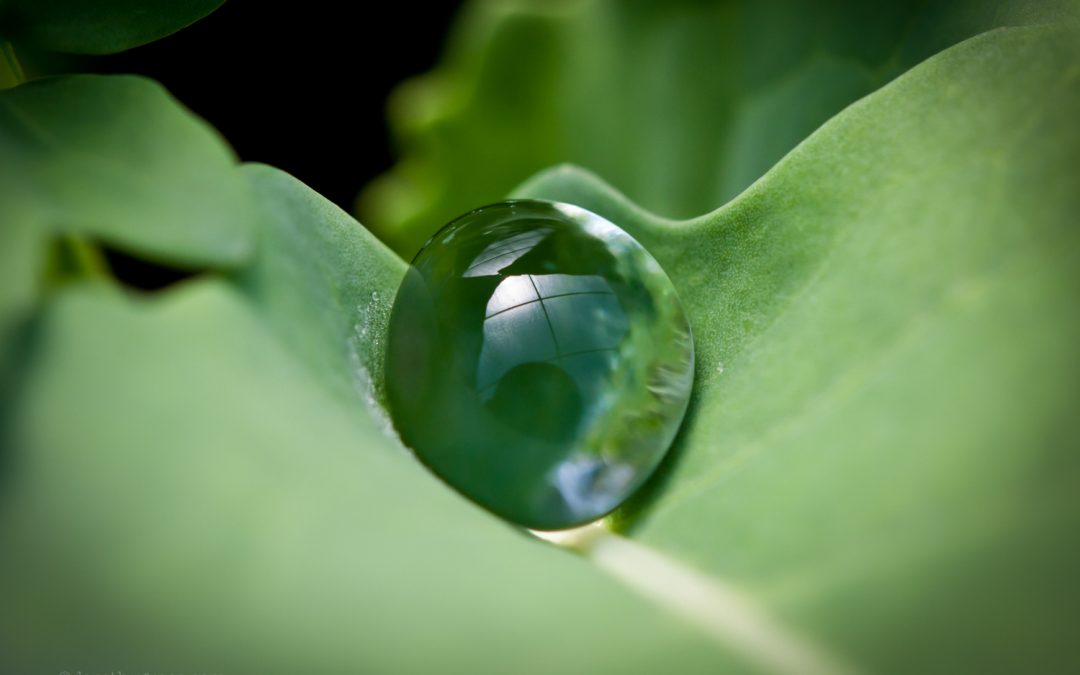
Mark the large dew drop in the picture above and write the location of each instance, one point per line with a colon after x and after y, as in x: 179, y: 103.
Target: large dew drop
x: 539, y: 361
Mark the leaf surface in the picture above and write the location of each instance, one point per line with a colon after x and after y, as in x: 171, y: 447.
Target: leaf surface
x: 881, y: 446
x: 880, y: 450
x: 199, y: 480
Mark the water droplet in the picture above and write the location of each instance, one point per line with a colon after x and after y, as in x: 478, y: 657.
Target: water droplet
x: 539, y: 361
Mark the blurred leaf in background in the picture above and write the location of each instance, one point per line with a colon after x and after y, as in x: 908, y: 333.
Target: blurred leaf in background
x: 117, y: 161
x: 680, y: 105
x: 101, y: 158
x: 880, y: 455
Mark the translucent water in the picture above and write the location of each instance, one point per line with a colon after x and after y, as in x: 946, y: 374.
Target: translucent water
x: 539, y: 361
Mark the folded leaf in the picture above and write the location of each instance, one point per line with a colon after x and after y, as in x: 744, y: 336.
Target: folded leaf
x: 881, y: 447
x: 324, y: 282
x: 192, y: 484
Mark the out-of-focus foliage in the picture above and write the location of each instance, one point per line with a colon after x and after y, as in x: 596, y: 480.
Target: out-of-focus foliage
x: 880, y: 449
x: 97, y: 26
x: 679, y: 105
x: 117, y: 160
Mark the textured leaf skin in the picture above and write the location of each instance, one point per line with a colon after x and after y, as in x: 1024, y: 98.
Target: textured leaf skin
x: 99, y: 27
x: 882, y: 444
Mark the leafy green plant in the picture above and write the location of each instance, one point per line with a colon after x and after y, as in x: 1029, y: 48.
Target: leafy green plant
x: 878, y: 470
x: 679, y: 105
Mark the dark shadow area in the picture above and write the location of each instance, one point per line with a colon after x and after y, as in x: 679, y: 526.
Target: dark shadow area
x: 304, y: 90
x: 142, y: 274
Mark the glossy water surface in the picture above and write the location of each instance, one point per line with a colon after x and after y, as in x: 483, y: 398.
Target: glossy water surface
x: 539, y: 361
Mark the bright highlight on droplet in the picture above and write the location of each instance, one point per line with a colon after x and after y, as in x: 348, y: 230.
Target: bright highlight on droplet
x: 539, y: 361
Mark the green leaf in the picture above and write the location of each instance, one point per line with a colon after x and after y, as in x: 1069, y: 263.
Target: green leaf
x: 324, y: 283
x: 116, y: 159
x: 198, y: 465
x: 880, y: 452
x: 99, y: 27
x: 191, y: 487
x: 680, y: 105
x: 882, y: 447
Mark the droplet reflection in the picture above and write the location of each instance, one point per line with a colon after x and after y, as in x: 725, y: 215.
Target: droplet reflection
x: 539, y: 361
